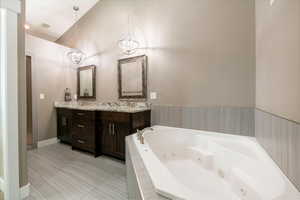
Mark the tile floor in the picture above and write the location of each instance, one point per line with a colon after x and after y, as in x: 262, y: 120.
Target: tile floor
x: 58, y: 173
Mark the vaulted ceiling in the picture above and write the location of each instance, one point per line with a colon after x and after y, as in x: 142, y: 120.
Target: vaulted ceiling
x: 50, y: 19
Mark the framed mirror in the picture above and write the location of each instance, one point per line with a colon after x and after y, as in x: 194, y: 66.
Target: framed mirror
x: 86, y: 82
x: 132, y: 74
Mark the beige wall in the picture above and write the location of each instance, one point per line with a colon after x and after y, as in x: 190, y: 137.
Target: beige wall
x: 201, y: 53
x: 51, y: 74
x: 278, y: 60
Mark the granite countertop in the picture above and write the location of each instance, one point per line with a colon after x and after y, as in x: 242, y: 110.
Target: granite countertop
x: 126, y: 107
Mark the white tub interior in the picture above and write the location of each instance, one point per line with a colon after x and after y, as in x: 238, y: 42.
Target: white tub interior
x: 190, y: 164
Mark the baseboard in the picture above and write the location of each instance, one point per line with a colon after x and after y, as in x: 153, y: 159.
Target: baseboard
x: 47, y: 142
x: 25, y: 191
x: 1, y: 184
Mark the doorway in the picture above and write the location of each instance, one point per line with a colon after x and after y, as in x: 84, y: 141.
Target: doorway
x: 30, y: 141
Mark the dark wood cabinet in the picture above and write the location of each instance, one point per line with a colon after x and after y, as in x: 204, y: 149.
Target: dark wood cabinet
x: 83, y: 131
x: 99, y: 132
x: 121, y: 130
x: 113, y: 138
x: 64, y: 125
x: 107, y: 143
x: 116, y: 126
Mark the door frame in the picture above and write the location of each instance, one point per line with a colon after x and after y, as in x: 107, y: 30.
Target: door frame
x: 34, y: 99
x: 9, y: 123
x: 29, y: 96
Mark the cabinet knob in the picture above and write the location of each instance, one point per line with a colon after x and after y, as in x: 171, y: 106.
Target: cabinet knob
x: 80, y: 126
x: 80, y: 114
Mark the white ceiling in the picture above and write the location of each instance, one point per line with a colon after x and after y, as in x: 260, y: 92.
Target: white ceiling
x: 56, y: 13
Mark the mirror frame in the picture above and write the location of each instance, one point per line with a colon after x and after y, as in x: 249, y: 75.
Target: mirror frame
x: 79, y: 69
x: 144, y: 76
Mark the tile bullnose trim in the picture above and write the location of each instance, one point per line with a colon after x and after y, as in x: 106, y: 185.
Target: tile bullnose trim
x: 276, y: 115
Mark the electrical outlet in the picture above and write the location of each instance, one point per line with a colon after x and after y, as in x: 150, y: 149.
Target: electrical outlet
x: 42, y: 96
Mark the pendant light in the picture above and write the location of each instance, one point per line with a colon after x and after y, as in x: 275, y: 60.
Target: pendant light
x: 128, y: 44
x: 76, y: 56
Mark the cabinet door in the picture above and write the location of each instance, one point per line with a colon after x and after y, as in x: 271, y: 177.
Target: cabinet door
x: 120, y: 131
x: 107, y: 138
x: 64, y: 118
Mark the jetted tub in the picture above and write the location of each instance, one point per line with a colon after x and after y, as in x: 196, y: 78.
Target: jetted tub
x: 200, y: 165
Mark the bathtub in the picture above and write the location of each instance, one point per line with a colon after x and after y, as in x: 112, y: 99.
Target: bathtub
x: 200, y: 165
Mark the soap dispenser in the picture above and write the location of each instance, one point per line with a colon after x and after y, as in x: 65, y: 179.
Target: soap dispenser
x: 68, y: 95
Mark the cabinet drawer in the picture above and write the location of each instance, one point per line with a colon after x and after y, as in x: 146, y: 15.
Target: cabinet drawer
x: 83, y: 143
x: 84, y: 115
x: 115, y: 116
x: 64, y: 111
x: 82, y: 131
x: 83, y: 123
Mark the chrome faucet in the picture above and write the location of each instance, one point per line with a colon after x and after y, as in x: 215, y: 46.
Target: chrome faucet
x: 140, y: 134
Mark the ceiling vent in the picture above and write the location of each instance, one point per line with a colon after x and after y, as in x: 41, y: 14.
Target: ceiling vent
x: 44, y: 25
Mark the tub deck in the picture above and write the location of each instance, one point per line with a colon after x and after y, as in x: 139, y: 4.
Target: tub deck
x: 139, y: 183
x: 148, y: 184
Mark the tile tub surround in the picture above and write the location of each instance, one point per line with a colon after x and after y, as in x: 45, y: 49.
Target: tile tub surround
x: 281, y: 139
x: 231, y: 120
x: 128, y: 107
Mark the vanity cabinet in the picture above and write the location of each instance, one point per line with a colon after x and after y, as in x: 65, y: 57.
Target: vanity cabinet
x: 107, y: 137
x: 64, y: 125
x: 99, y: 132
x: 116, y: 126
